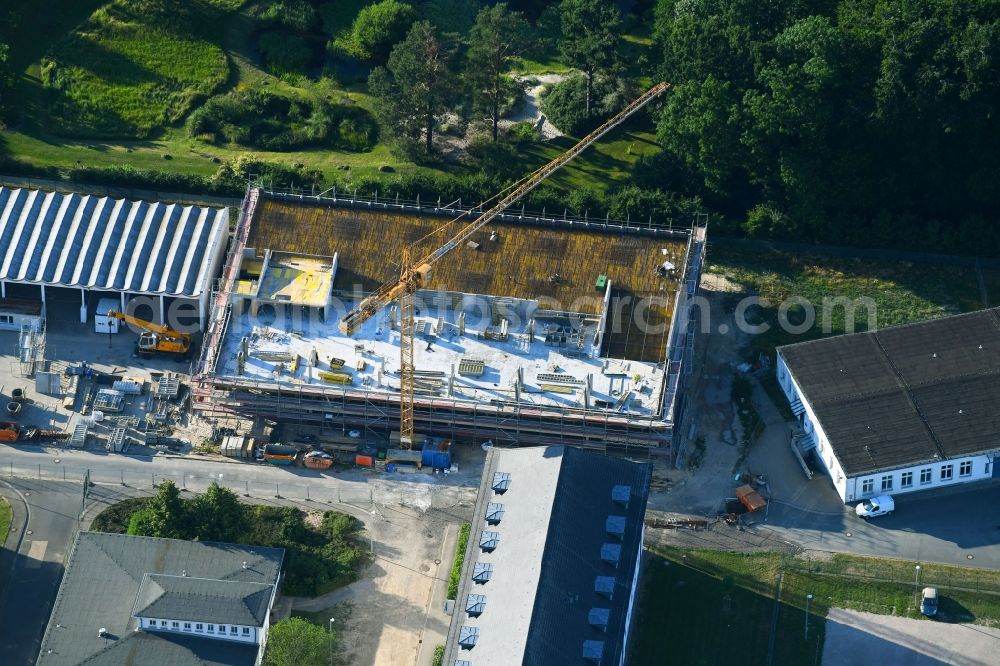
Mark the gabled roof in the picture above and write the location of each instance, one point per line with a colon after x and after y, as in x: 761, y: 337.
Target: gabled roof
x: 75, y: 240
x: 166, y: 649
x: 100, y: 588
x: 203, y: 600
x: 905, y: 395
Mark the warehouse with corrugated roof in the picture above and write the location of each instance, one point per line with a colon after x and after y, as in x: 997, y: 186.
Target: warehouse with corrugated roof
x: 156, y: 259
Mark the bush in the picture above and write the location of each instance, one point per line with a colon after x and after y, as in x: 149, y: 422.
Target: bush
x: 284, y: 51
x: 522, y: 133
x: 296, y: 15
x: 263, y: 119
x: 316, y: 559
x: 565, y: 103
x: 115, y: 518
x: 438, y: 658
x: 378, y: 28
x: 456, y: 568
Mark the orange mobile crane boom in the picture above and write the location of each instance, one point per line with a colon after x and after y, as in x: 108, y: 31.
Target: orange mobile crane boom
x: 155, y: 337
x: 415, y: 275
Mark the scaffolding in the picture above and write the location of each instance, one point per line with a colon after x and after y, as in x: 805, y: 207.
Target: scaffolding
x: 375, y: 411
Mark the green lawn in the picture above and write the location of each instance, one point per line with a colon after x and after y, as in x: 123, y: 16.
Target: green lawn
x: 137, y: 68
x: 134, y: 66
x: 5, y: 517
x: 689, y: 617
x: 902, y: 292
x: 717, y: 607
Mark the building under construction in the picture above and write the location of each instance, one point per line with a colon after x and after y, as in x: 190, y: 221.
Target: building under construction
x: 536, y: 330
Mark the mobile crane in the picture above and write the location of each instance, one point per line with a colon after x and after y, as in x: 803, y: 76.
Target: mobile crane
x: 414, y: 275
x: 156, y: 338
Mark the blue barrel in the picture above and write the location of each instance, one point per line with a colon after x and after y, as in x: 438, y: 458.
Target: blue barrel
x: 391, y: 467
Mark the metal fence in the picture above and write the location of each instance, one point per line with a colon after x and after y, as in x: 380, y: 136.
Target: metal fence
x: 421, y: 496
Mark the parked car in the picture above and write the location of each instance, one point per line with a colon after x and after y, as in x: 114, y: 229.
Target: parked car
x: 929, y: 601
x: 882, y: 505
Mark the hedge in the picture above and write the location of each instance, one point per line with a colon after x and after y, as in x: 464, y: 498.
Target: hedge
x: 456, y: 567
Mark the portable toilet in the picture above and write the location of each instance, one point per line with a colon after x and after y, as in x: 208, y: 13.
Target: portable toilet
x: 103, y: 323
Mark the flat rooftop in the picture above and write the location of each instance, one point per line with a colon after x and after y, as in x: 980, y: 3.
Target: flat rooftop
x: 566, y: 530
x: 296, y: 279
x: 907, y: 394
x: 520, y: 262
x: 553, y: 375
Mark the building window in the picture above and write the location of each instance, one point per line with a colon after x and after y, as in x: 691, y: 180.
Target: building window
x: 946, y: 471
x: 246, y: 631
x: 867, y: 485
x: 232, y: 629
x: 198, y: 627
x: 211, y: 628
x: 222, y: 628
x: 163, y: 623
x: 187, y: 626
x: 887, y: 482
x: 6, y: 319
x: 906, y: 480
x: 175, y: 625
x: 925, y: 476
x: 965, y: 469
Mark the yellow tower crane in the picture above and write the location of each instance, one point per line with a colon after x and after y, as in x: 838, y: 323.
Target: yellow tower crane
x: 416, y: 274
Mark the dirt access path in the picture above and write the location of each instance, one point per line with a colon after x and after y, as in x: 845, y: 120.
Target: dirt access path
x: 711, y: 414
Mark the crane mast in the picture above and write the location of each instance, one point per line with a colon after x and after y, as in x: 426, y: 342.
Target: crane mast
x: 415, y: 275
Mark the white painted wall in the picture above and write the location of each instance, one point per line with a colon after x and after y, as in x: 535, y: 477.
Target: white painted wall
x: 853, y: 488
x: 12, y: 320
x: 243, y: 634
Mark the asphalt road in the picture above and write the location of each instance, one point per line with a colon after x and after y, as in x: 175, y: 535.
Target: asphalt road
x: 27, y: 594
x: 854, y: 638
x: 956, y: 525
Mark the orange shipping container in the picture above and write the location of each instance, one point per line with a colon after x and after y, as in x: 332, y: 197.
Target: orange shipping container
x: 363, y: 460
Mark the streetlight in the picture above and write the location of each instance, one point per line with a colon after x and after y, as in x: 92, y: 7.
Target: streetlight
x: 916, y: 584
x: 808, y: 599
x: 332, y: 620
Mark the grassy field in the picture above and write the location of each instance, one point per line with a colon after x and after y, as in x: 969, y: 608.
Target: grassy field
x: 690, y: 617
x: 134, y: 66
x: 123, y: 76
x: 902, y: 292
x: 5, y: 516
x: 718, y: 607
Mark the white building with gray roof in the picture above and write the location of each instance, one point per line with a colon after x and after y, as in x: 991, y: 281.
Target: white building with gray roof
x: 161, y: 602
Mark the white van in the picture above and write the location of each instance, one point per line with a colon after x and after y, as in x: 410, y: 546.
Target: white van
x: 882, y: 505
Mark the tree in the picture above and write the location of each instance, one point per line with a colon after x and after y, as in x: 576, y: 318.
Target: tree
x: 297, y: 642
x: 497, y: 39
x: 416, y: 88
x: 217, y: 515
x: 166, y: 516
x: 6, y: 79
x: 378, y: 27
x: 591, y: 36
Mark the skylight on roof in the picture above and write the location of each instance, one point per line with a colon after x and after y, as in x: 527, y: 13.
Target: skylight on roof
x: 463, y: 662
x: 605, y: 586
x: 611, y: 553
x: 593, y: 651
x: 475, y: 604
x: 615, y: 526
x: 598, y: 617
x: 468, y: 637
x: 488, y: 541
x: 494, y: 513
x: 482, y: 572
x: 621, y: 494
x: 501, y: 482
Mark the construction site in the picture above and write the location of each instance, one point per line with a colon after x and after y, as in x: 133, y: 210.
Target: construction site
x: 535, y: 330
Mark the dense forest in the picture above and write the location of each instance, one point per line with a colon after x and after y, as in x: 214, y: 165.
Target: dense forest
x: 862, y: 122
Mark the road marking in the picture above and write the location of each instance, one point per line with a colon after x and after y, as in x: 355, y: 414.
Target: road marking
x: 36, y: 553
